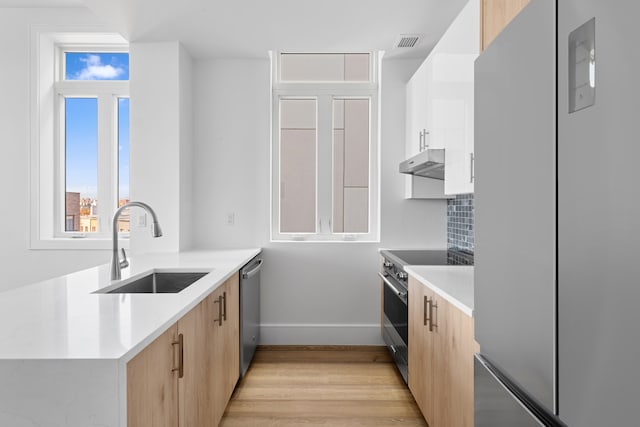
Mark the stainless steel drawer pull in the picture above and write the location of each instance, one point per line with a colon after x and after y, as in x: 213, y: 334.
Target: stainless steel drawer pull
x: 424, y: 310
x: 432, y: 317
x: 224, y: 306
x: 219, y: 302
x: 180, y: 344
x: 472, y: 161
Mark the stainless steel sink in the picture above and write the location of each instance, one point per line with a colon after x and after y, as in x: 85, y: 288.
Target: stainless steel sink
x: 157, y: 283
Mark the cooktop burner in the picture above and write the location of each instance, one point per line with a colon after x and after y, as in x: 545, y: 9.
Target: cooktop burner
x: 428, y: 257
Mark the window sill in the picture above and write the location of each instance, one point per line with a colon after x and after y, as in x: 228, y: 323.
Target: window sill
x: 327, y: 239
x: 66, y: 243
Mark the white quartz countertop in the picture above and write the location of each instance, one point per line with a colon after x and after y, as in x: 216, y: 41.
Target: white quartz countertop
x: 63, y: 318
x: 453, y: 283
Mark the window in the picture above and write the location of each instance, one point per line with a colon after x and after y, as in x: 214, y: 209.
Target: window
x: 325, y: 147
x: 80, y: 159
x: 93, y: 111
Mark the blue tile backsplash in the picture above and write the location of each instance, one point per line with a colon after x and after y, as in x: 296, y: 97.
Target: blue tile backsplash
x: 460, y: 222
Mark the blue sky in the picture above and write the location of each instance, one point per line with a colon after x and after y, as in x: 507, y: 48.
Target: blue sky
x: 82, y: 122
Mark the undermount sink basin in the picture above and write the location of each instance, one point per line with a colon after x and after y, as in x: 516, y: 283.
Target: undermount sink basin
x: 157, y: 283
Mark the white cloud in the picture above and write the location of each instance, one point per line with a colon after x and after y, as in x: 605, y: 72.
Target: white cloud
x: 96, y: 70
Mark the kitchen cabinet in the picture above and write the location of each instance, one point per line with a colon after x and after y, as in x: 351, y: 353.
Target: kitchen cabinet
x: 226, y: 352
x: 186, y: 376
x: 152, y: 388
x: 496, y: 14
x: 441, y: 349
x: 439, y: 104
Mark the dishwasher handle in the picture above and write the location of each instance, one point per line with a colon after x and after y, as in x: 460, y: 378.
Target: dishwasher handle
x: 253, y: 271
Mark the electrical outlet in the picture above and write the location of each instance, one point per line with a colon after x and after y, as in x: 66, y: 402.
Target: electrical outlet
x: 231, y: 218
x: 142, y: 220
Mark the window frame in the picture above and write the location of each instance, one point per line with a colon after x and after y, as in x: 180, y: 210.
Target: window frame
x: 325, y: 93
x: 47, y: 155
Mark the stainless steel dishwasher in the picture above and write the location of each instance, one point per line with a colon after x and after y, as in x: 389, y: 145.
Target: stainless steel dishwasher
x: 249, y: 311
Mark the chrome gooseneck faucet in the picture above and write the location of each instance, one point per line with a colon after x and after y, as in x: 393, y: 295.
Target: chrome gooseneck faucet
x: 116, y: 263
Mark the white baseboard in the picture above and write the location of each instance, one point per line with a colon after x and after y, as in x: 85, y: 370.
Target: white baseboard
x: 320, y: 334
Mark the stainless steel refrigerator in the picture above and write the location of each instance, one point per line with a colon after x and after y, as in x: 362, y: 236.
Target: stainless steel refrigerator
x: 557, y: 224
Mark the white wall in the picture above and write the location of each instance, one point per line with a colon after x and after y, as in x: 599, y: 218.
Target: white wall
x: 161, y: 129
x: 312, y: 293
x: 19, y: 264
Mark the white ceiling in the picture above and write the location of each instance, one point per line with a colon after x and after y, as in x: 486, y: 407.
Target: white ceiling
x: 249, y: 28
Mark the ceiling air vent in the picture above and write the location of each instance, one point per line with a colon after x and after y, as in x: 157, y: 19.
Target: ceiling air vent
x: 407, y: 40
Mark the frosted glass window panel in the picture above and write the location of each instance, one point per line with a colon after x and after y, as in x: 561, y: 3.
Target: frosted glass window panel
x: 324, y: 67
x: 356, y: 67
x: 350, y: 166
x: 298, y: 114
x: 356, y: 142
x: 298, y: 163
x: 356, y: 210
x: 338, y: 180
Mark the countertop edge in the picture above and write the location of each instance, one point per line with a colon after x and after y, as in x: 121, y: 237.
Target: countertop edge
x: 440, y: 291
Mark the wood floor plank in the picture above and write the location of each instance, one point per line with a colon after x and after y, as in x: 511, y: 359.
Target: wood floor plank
x: 320, y: 392
x: 326, y: 386
x: 323, y: 373
x: 324, y: 408
x: 321, y: 421
x: 325, y: 354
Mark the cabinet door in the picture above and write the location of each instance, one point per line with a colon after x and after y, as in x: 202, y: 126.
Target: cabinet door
x: 453, y: 365
x: 417, y: 99
x: 197, y: 383
x: 420, y: 350
x: 496, y: 14
x: 461, y: 347
x: 226, y: 351
x: 231, y: 359
x: 152, y: 386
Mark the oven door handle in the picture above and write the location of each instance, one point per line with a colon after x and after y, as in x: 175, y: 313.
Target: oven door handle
x: 391, y: 285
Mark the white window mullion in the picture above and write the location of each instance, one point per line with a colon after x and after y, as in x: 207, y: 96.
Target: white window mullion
x: 59, y: 166
x: 325, y: 154
x: 107, y: 161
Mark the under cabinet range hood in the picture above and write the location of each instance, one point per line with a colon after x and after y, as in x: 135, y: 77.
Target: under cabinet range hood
x: 428, y: 163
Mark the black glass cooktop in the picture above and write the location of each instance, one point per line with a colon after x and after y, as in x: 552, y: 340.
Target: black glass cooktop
x: 428, y: 257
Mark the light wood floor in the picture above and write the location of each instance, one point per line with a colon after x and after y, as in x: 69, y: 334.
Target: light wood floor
x: 332, y: 386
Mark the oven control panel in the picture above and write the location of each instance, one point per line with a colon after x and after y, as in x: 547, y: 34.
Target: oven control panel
x: 396, y: 272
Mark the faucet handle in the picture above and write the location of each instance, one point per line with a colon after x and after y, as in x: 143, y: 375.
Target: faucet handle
x: 124, y: 263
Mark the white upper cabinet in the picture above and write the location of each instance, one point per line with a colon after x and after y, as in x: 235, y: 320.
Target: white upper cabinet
x: 440, y: 100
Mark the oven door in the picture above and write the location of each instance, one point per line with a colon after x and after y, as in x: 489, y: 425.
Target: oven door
x: 396, y: 322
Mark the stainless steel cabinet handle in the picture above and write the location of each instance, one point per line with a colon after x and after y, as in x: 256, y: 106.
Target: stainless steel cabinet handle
x: 432, y: 317
x: 224, y: 306
x: 424, y: 310
x: 219, y: 302
x: 180, y: 344
x: 253, y: 271
x: 421, y: 143
x: 393, y: 288
x: 471, y: 165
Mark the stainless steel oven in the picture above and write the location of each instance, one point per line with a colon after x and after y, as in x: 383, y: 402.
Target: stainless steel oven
x: 395, y: 295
